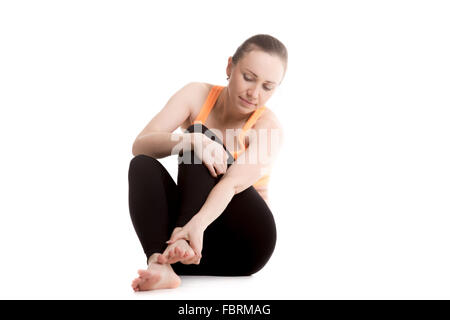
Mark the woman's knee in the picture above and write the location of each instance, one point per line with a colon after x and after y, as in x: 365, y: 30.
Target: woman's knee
x: 252, y: 245
x: 142, y: 164
x: 261, y: 255
x: 261, y: 241
x: 253, y: 262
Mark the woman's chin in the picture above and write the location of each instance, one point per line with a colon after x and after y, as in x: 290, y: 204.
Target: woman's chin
x: 245, y: 110
x: 245, y: 107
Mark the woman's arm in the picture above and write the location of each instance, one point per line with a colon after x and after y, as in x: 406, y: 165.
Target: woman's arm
x: 162, y: 144
x: 157, y: 138
x: 242, y: 174
x: 215, y: 203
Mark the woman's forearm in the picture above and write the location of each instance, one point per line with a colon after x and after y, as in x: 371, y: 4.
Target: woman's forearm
x: 215, y: 203
x: 162, y: 144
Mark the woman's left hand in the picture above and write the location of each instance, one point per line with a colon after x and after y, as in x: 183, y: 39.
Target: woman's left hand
x: 193, y: 233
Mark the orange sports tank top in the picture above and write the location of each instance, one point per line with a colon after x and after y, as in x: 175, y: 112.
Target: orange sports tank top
x: 206, y: 109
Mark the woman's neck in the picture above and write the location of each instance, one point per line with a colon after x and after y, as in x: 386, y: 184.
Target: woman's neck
x: 225, y: 111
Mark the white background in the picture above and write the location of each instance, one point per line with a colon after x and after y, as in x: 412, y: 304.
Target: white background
x: 360, y: 192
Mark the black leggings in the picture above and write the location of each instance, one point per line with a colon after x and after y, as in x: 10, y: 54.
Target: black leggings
x: 238, y: 243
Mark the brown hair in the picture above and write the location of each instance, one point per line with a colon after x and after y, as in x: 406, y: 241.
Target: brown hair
x: 263, y: 42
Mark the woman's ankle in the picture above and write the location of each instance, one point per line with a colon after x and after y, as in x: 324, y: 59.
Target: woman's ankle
x: 153, y: 258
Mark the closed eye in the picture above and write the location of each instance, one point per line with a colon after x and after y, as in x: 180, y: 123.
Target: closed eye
x: 247, y: 79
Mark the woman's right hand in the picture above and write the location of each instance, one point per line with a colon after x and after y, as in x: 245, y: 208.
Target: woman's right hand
x: 212, y: 153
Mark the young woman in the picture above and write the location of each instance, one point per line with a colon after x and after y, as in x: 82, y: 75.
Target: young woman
x: 216, y: 217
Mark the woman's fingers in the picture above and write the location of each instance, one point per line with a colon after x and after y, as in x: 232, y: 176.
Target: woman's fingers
x: 211, y: 169
x: 189, y: 256
x: 192, y: 260
x: 218, y: 160
x: 193, y: 256
x: 179, y: 234
x: 225, y: 159
x: 196, y: 259
x: 221, y: 167
x: 176, y: 230
x: 196, y: 246
x: 215, y: 158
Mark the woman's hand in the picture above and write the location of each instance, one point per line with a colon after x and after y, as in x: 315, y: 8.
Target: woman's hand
x: 193, y: 233
x: 212, y: 154
x: 179, y: 250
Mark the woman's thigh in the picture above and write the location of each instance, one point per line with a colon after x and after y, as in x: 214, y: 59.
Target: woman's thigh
x: 249, y: 224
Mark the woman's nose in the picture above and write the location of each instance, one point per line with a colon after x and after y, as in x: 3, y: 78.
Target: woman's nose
x: 253, y: 94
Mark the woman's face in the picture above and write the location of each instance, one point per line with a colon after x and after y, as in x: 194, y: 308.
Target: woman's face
x: 254, y: 78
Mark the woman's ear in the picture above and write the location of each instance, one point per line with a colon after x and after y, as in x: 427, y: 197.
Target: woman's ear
x: 229, y: 67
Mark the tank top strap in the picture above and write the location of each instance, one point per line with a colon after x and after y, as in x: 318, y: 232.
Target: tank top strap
x: 253, y: 118
x: 250, y: 122
x: 208, y: 105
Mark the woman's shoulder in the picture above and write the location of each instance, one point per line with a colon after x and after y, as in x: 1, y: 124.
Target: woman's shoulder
x: 198, y: 93
x: 268, y: 119
x: 198, y: 90
x: 268, y: 122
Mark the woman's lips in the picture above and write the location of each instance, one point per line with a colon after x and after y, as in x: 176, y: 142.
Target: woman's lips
x: 246, y: 102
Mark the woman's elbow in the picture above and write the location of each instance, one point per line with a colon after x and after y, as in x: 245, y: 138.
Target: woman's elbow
x: 134, y: 150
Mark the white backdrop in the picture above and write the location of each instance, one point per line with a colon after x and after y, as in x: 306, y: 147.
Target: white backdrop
x: 360, y: 192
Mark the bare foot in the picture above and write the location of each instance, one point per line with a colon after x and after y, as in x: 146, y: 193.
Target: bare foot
x: 181, y: 251
x: 157, y: 276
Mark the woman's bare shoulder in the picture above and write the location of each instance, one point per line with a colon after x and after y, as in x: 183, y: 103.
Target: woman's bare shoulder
x: 268, y: 122
x: 198, y: 91
x: 200, y: 87
x: 268, y: 119
x: 197, y: 94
